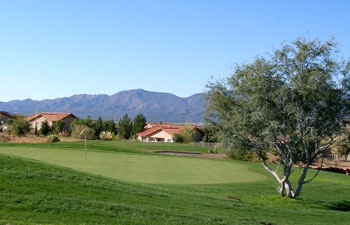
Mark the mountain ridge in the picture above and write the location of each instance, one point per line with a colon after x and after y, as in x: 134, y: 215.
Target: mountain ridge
x: 156, y: 106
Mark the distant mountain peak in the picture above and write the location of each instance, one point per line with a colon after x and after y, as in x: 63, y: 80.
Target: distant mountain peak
x: 156, y: 106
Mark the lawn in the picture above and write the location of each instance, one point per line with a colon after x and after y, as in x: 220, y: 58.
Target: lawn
x: 36, y: 189
x: 145, y: 168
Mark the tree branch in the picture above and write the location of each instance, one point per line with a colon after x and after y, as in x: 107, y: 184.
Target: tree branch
x: 318, y: 171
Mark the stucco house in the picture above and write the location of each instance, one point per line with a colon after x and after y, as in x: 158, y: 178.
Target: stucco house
x: 37, y: 119
x: 4, y: 116
x: 165, y: 133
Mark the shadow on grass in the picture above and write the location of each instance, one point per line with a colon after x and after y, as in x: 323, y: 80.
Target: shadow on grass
x: 340, y: 206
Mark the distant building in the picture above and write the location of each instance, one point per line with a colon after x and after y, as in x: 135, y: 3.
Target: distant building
x: 37, y: 119
x: 165, y: 133
x: 4, y: 116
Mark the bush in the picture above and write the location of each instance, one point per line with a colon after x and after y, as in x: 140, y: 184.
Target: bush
x: 20, y: 127
x: 45, y: 128
x: 59, y: 126
x: 52, y: 138
x: 178, y: 138
x: 185, y: 136
x: 243, y: 155
x: 106, y: 136
x: 89, y: 132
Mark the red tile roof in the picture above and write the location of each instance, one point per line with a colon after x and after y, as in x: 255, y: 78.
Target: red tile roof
x: 51, y: 116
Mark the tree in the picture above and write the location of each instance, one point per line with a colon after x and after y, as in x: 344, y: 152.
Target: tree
x: 185, y: 136
x: 98, y: 126
x: 20, y: 127
x: 291, y: 103
x: 342, y: 146
x: 45, y: 128
x: 110, y: 126
x: 139, y: 124
x: 59, y: 126
x: 125, y: 127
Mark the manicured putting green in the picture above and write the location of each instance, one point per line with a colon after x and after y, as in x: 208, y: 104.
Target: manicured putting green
x: 143, y: 168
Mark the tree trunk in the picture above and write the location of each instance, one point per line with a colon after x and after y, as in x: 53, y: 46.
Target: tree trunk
x: 301, y: 181
x: 282, y: 189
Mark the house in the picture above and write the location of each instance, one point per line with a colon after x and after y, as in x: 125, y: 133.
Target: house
x: 4, y: 116
x: 165, y: 133
x: 37, y: 119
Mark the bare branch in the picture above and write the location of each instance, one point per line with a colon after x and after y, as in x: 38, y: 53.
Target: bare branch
x: 318, y: 171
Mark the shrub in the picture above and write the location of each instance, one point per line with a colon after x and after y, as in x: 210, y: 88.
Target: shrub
x: 9, y: 121
x: 116, y: 138
x: 89, y: 132
x: 45, y: 128
x: 185, y: 136
x: 20, y: 127
x: 106, y: 136
x: 178, y: 138
x: 52, y: 138
x: 243, y: 155
x: 59, y: 126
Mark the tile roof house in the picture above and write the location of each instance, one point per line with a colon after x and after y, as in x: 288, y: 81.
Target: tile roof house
x: 6, y: 116
x: 37, y: 119
x: 165, y: 133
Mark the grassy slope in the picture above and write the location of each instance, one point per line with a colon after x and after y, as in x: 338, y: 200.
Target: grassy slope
x: 33, y: 192
x: 145, y: 168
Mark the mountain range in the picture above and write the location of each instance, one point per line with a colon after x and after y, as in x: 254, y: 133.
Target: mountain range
x: 155, y: 106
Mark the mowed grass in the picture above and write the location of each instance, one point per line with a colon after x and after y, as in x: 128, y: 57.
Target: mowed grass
x: 145, y: 168
x: 34, y: 192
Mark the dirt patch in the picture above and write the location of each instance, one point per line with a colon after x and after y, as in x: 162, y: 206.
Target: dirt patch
x: 190, y: 154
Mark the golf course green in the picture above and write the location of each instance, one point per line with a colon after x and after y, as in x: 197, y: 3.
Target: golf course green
x: 145, y: 168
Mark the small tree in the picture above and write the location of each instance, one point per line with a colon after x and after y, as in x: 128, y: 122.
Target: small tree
x: 185, y: 136
x: 291, y: 103
x: 59, y: 126
x: 45, y: 128
x: 20, y: 127
x: 110, y: 126
x: 99, y: 126
x: 139, y: 124
x: 125, y: 127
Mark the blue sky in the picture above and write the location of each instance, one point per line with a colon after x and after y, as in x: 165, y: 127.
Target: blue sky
x: 59, y: 48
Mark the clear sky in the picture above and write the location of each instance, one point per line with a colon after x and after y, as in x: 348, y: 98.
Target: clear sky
x: 52, y: 49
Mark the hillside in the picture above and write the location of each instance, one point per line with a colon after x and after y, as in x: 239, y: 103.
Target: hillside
x: 155, y: 106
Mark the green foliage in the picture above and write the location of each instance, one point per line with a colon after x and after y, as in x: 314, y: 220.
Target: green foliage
x: 292, y: 102
x: 110, y: 126
x: 98, y: 126
x: 244, y: 155
x: 59, y: 126
x: 210, y: 133
x: 45, y: 128
x: 106, y: 136
x: 178, y: 138
x: 125, y: 127
x: 139, y: 124
x: 10, y: 121
x: 20, y: 127
x: 185, y: 136
x: 79, y: 128
x: 52, y: 138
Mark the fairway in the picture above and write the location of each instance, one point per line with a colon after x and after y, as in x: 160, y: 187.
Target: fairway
x: 143, y: 168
